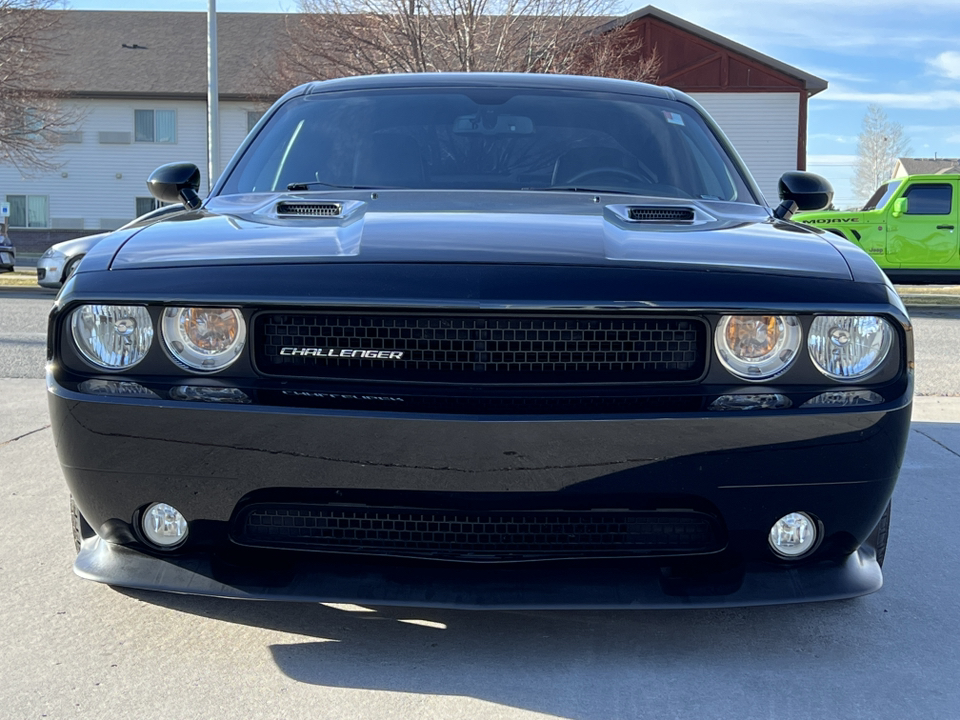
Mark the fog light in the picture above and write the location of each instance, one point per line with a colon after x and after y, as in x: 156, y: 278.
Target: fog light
x: 163, y: 525
x: 793, y: 535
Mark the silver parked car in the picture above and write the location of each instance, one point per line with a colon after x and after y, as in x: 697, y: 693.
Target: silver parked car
x: 61, y: 260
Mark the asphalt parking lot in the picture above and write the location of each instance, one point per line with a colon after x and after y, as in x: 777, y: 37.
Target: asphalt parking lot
x: 74, y: 648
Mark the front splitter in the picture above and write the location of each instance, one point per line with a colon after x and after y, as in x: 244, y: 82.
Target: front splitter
x: 543, y: 585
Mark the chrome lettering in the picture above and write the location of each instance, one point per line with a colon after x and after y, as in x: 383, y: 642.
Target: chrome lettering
x: 341, y: 353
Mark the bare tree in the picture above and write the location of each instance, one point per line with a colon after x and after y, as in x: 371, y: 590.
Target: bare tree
x: 332, y: 38
x: 880, y: 143
x: 31, y: 118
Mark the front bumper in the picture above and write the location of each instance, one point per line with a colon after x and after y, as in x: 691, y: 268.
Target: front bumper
x: 49, y: 271
x: 547, y: 585
x: 120, y: 454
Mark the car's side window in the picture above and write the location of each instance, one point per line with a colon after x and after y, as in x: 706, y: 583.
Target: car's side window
x: 929, y: 199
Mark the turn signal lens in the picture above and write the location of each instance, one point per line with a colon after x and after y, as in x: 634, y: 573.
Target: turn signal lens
x: 753, y: 401
x: 204, y: 339
x: 757, y: 347
x: 112, y: 337
x: 849, y: 347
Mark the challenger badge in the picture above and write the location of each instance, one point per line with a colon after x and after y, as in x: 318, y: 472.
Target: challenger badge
x: 338, y: 353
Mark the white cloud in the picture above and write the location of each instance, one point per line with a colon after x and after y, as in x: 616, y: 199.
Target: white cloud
x: 946, y: 64
x: 883, y: 29
x: 923, y: 100
x: 833, y: 75
x: 954, y: 138
x: 832, y: 160
x: 842, y: 139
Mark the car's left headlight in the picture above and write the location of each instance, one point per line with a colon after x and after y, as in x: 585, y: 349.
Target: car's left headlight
x: 849, y: 347
x: 204, y: 339
x: 112, y: 337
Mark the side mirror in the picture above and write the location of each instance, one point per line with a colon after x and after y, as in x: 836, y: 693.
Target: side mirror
x: 900, y: 206
x: 176, y: 183
x: 802, y: 191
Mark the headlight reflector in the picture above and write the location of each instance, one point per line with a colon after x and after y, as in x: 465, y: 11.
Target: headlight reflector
x: 204, y: 339
x: 849, y: 347
x: 112, y: 337
x: 757, y: 347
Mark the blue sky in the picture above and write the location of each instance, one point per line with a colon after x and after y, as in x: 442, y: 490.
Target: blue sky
x: 902, y: 55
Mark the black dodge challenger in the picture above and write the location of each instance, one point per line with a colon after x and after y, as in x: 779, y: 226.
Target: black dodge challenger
x: 482, y: 341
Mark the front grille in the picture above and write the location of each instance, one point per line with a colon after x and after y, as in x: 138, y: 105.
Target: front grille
x: 303, y: 209
x: 489, y: 535
x: 468, y: 349
x: 661, y: 215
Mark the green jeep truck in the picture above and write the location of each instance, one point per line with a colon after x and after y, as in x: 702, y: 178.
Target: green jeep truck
x: 909, y: 226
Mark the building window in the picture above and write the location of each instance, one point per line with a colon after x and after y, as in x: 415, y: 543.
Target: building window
x: 253, y: 117
x: 155, y: 126
x: 147, y: 204
x: 28, y: 211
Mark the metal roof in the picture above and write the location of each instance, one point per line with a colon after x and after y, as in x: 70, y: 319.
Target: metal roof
x: 163, y: 54
x: 812, y: 83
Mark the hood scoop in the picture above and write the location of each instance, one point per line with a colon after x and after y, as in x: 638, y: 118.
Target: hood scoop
x: 661, y: 215
x: 309, y: 208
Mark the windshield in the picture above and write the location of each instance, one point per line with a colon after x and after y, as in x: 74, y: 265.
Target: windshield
x: 503, y: 139
x: 881, y: 195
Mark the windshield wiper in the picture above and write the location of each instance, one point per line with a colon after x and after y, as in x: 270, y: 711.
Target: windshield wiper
x: 294, y: 186
x: 578, y: 188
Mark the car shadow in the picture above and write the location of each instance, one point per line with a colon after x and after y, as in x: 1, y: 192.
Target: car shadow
x: 591, y: 665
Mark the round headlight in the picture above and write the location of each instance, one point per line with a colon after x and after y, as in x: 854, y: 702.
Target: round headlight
x: 757, y: 347
x: 112, y: 337
x: 849, y: 347
x: 204, y: 339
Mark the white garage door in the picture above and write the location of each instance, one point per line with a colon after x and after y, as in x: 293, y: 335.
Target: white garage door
x: 763, y: 129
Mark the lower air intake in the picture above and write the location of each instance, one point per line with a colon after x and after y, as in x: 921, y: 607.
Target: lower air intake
x: 486, y: 536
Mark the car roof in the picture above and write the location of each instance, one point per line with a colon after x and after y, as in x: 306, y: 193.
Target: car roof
x: 491, y: 80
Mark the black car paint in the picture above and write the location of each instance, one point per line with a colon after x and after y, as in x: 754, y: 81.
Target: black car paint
x: 361, y: 440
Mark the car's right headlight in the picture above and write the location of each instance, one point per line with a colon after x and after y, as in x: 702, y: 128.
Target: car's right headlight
x: 849, y: 347
x: 112, y: 337
x: 757, y: 347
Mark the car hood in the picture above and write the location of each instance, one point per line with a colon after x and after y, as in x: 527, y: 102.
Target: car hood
x: 556, y: 228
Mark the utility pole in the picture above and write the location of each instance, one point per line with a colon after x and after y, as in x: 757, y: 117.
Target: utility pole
x: 213, y: 98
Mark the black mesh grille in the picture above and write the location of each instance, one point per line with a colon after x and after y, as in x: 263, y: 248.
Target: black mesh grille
x: 475, y: 536
x: 309, y: 209
x: 481, y: 349
x: 661, y: 214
